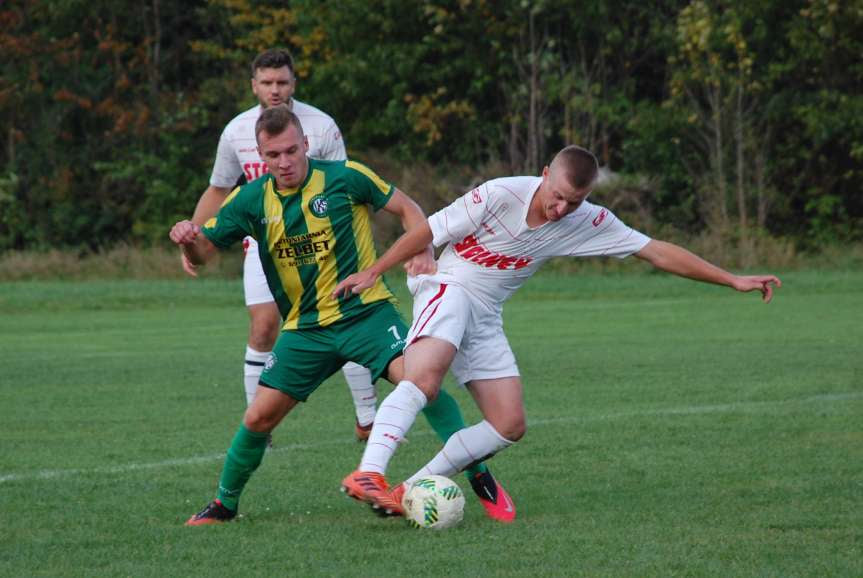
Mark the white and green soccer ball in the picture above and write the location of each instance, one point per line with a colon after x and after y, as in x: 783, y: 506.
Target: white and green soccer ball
x: 434, y: 502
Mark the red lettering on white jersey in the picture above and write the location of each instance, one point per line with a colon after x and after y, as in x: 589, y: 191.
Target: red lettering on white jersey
x: 254, y: 170
x: 468, y: 241
x: 477, y: 199
x: 471, y: 250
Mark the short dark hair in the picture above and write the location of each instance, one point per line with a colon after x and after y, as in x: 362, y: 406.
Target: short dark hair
x: 276, y: 120
x: 273, y: 58
x: 579, y: 164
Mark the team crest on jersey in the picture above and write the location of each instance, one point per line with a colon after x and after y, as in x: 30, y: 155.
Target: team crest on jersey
x: 318, y: 206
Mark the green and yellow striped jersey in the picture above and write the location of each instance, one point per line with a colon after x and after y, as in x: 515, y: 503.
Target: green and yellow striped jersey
x: 309, y: 238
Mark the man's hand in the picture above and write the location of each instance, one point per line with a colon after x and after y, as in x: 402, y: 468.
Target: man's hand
x: 763, y: 283
x: 184, y: 233
x: 356, y: 283
x: 421, y: 264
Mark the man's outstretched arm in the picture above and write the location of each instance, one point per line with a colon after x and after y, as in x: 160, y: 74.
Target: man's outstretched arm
x: 677, y: 260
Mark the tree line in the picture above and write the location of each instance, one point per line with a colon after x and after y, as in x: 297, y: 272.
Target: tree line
x: 743, y: 118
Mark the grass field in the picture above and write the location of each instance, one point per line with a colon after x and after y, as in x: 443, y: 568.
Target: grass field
x: 674, y: 429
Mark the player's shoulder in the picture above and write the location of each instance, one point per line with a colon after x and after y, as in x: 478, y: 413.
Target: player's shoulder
x: 340, y: 170
x: 252, y: 190
x: 360, y: 175
x: 356, y: 168
x: 517, y: 183
x: 505, y: 189
x: 331, y: 167
x: 243, y: 122
x: 310, y: 115
x: 590, y: 215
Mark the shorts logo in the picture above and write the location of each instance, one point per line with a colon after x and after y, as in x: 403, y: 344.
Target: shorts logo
x: 318, y: 206
x: 271, y: 361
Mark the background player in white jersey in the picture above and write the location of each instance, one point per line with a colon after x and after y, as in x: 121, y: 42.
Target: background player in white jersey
x: 496, y: 237
x: 273, y: 82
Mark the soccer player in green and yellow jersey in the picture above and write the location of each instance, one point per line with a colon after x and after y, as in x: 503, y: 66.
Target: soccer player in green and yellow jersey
x: 311, y: 220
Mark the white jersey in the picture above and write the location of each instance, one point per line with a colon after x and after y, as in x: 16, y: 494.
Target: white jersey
x: 492, y: 251
x: 238, y: 150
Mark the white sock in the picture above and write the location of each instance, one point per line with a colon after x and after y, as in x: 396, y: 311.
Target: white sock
x: 363, y: 391
x: 252, y: 371
x: 471, y: 444
x: 395, y: 417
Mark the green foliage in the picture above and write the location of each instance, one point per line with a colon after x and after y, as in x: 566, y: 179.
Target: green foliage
x: 13, y: 220
x: 750, y: 110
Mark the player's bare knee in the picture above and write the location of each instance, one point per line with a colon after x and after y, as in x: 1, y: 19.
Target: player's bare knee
x: 513, y: 430
x: 263, y: 334
x: 517, y: 432
x: 256, y: 421
x: 429, y: 386
x: 264, y: 326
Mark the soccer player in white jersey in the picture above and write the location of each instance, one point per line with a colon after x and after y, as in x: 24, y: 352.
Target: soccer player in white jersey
x: 273, y: 82
x: 496, y: 236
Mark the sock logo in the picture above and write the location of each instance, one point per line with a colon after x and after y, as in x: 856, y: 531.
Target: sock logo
x: 226, y: 492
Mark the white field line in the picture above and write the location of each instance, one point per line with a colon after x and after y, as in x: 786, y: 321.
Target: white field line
x: 685, y: 410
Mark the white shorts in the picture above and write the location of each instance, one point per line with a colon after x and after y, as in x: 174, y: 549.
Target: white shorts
x: 254, y: 281
x: 447, y: 311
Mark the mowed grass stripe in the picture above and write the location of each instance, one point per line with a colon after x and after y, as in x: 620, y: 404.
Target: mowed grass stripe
x: 747, y: 407
x: 675, y: 429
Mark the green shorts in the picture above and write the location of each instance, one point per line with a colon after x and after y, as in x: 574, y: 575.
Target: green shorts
x: 303, y: 358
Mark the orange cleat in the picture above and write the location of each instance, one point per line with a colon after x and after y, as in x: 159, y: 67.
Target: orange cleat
x: 497, y: 503
x: 364, y: 486
x: 372, y: 488
x: 397, y: 494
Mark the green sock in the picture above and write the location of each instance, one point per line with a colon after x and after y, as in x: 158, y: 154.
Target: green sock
x: 444, y: 415
x: 244, y: 456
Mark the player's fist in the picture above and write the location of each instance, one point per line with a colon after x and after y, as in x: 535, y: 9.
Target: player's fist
x: 184, y: 232
x: 422, y: 263
x: 354, y: 284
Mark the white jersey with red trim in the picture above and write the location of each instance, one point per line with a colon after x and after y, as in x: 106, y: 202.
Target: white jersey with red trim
x: 491, y: 251
x: 238, y: 151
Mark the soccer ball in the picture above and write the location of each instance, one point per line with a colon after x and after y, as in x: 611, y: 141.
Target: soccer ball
x: 434, y: 502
